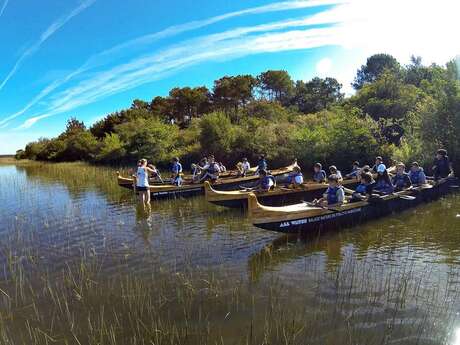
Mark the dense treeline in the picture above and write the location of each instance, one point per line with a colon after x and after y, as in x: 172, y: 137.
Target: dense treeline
x: 400, y: 112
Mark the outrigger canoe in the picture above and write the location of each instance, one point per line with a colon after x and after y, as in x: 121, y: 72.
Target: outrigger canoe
x: 305, y: 218
x: 276, y: 197
x: 188, y: 188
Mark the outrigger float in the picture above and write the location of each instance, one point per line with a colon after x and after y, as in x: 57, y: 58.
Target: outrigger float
x: 188, y: 188
x: 306, y: 217
x: 276, y: 197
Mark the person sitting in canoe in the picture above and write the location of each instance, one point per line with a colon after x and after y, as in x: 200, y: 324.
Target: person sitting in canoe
x: 334, y: 171
x: 364, y: 188
x: 243, y: 167
x: 319, y: 175
x: 383, y: 183
x: 210, y: 171
x: 222, y: 167
x: 334, y: 195
x: 401, y: 179
x: 378, y: 162
x: 262, y: 164
x: 417, y: 175
x: 266, y: 182
x: 441, y: 166
x: 176, y: 172
x: 295, y: 178
x: 355, y: 169
x: 155, y: 175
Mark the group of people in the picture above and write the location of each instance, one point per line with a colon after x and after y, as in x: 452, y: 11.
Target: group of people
x: 385, y: 182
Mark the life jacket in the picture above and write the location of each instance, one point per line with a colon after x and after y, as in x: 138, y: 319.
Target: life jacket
x: 332, y: 195
x: 262, y: 165
x: 361, y: 188
x: 415, y: 176
x: 268, y: 182
x: 176, y: 168
x: 292, y: 177
x: 401, y: 180
x: 319, y: 176
x: 383, y: 186
x: 213, y: 169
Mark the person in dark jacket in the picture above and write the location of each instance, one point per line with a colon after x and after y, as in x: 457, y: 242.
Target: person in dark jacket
x: 401, y: 179
x: 383, y: 183
x: 417, y: 175
x: 441, y: 165
x: 378, y: 161
x: 319, y: 175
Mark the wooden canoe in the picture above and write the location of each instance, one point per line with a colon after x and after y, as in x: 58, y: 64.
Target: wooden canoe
x: 188, y: 188
x: 304, y: 218
x: 277, y: 197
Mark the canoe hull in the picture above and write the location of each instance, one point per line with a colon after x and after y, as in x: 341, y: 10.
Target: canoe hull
x: 363, y: 211
x: 189, y: 189
x: 278, y: 197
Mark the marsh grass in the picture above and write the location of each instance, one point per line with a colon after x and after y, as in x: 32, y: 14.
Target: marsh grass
x: 332, y: 295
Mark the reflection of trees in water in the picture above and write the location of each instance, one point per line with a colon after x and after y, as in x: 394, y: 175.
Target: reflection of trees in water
x: 431, y: 230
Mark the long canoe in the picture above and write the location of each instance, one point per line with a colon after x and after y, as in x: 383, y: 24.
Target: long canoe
x: 189, y: 188
x: 277, y: 197
x: 304, y: 218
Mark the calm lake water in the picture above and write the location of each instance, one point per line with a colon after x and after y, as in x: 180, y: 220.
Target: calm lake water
x: 391, y: 281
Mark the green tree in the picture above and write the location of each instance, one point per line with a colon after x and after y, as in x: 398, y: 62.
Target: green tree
x: 111, y: 149
x: 374, y: 68
x: 229, y: 93
x: 276, y: 85
x: 217, y: 134
x: 189, y: 102
x: 316, y: 94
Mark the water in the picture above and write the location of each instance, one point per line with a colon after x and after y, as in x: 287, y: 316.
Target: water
x: 395, y: 280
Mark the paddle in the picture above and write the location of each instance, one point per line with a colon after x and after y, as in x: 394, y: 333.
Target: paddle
x: 309, y: 203
x: 406, y: 197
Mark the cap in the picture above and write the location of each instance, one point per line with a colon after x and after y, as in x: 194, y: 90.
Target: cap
x: 381, y: 168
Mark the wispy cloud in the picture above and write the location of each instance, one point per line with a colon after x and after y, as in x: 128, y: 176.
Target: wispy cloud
x: 352, y: 24
x: 2, y: 9
x: 111, y: 54
x: 53, y: 28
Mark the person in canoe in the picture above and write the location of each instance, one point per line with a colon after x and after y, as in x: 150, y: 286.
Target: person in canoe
x: 383, y: 183
x: 155, y: 175
x: 266, y: 182
x: 417, y: 175
x: 243, y: 167
x: 334, y: 195
x: 319, y: 175
x: 261, y: 164
x: 334, y: 171
x: 222, y: 167
x: 355, y: 169
x: 142, y: 181
x: 364, y: 188
x: 401, y: 179
x: 176, y: 172
x: 295, y: 178
x: 378, y: 162
x: 210, y: 171
x: 441, y: 165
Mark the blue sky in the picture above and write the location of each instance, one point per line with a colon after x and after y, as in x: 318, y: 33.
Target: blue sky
x: 87, y: 58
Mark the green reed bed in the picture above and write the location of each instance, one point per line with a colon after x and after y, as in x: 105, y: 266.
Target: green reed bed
x: 80, y: 304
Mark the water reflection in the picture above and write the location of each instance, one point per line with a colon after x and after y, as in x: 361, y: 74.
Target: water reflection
x: 402, y: 271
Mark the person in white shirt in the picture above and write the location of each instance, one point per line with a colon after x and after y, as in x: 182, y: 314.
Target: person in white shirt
x: 142, y: 181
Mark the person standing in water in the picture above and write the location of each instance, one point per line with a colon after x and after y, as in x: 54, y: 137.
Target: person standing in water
x: 142, y: 181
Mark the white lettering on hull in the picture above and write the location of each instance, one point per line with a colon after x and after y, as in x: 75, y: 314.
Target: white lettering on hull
x: 319, y: 218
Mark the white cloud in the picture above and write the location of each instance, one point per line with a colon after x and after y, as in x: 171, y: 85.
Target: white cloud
x: 104, y: 57
x: 324, y: 66
x: 53, y: 28
x: 360, y: 25
x: 2, y: 9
